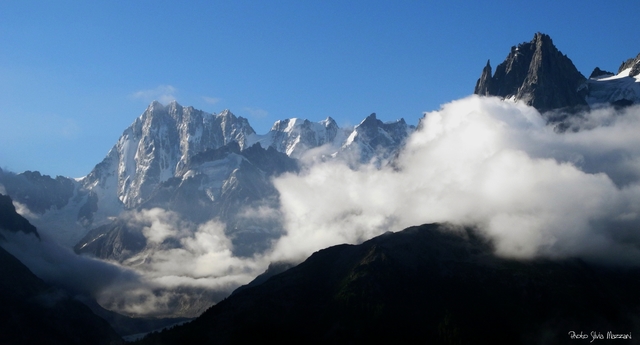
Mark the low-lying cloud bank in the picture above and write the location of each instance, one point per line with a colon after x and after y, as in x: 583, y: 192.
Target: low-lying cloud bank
x: 490, y: 163
x: 477, y: 161
x: 185, y: 266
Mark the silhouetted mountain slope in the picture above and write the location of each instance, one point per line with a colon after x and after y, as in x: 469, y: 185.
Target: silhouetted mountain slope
x: 427, y: 284
x: 128, y: 326
x: 31, y: 312
x: 12, y: 221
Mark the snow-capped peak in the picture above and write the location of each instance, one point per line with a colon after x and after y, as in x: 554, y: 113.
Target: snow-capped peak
x: 159, y: 143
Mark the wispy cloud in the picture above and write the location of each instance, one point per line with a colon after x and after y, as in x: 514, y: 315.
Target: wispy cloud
x: 162, y: 93
x: 256, y: 113
x: 202, y: 267
x: 211, y: 100
x: 69, y: 128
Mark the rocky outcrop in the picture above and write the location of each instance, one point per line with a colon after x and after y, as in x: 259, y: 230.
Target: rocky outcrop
x: 633, y: 63
x: 536, y: 73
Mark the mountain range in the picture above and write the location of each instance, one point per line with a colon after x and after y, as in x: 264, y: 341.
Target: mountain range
x: 420, y: 283
x: 199, y: 167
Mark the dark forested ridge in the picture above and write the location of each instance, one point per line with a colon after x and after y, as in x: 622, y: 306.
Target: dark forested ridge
x: 31, y: 312
x: 426, y: 284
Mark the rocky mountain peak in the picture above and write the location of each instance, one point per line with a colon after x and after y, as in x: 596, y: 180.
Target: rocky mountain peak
x: 161, y: 141
x: 536, y: 73
x: 373, y: 141
x: 174, y: 108
x: 226, y: 114
x: 597, y: 72
x: 329, y: 122
x: 633, y: 63
x: 483, y: 85
x: 155, y: 105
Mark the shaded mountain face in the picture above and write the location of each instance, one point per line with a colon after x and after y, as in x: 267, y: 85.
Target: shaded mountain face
x: 429, y: 284
x: 536, y: 73
x: 218, y: 183
x: 115, y: 241
x: 36, y: 191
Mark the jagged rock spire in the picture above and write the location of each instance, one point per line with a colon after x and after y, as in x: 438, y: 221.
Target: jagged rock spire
x: 483, y: 86
x: 536, y: 73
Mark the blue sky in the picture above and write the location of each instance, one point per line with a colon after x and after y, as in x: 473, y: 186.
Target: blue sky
x: 75, y: 74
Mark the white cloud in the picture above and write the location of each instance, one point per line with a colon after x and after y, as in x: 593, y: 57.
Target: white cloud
x: 22, y: 209
x: 162, y: 93
x: 184, y: 277
x: 211, y: 100
x: 69, y: 128
x: 481, y: 161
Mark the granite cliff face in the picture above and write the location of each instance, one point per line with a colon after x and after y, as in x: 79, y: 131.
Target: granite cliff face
x: 536, y: 73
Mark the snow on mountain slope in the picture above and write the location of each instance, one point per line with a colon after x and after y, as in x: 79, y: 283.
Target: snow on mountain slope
x: 302, y: 139
x: 373, y: 141
x: 619, y: 89
x: 296, y: 136
x: 160, y: 143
